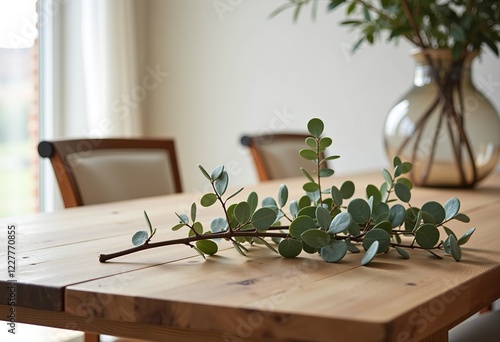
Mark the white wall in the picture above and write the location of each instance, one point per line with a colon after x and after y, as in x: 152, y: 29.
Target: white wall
x: 239, y: 72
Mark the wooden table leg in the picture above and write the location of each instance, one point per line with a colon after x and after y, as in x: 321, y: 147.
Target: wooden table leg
x: 89, y: 337
x: 438, y: 336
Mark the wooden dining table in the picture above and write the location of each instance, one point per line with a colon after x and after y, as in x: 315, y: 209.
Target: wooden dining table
x: 172, y: 294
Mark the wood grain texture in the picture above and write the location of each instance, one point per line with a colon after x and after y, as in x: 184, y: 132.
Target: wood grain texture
x: 260, y: 297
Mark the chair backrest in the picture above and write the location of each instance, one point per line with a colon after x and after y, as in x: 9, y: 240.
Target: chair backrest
x: 91, y: 171
x: 277, y: 155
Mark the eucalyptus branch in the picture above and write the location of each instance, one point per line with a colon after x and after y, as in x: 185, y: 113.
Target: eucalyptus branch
x: 317, y: 225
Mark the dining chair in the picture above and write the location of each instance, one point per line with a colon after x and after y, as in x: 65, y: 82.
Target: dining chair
x: 91, y: 171
x: 277, y: 155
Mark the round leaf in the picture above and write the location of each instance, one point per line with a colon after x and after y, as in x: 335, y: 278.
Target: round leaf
x: 326, y: 172
x: 289, y: 248
x: 308, y: 154
x: 336, y: 196
x: 456, y: 252
x: 402, y: 192
x: 208, y: 199
x: 359, y: 210
x: 310, y: 187
x: 372, y: 191
x: 218, y: 224
x: 217, y: 172
x: 402, y: 252
x: 377, y: 235
x: 207, y: 246
x: 221, y: 183
x: 451, y: 207
x: 323, y: 217
x: 311, y: 142
x: 315, y: 238
x: 315, y: 127
x: 435, y: 209
x: 334, y: 252
x: 253, y: 201
x: 351, y: 247
x: 263, y: 218
x: 282, y: 195
x: 340, y: 223
x: 242, y: 212
x: 139, y: 237
x: 347, y: 189
x: 324, y: 143
x: 427, y: 235
x: 300, y: 225
x: 397, y: 215
x: 463, y: 240
x: 370, y: 253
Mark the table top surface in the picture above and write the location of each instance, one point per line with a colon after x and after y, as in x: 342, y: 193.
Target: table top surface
x: 261, y: 295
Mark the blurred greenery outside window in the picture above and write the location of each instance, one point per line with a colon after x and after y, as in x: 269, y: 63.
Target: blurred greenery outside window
x: 18, y: 108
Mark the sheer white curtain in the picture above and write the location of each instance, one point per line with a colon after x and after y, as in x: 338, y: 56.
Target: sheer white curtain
x: 89, y: 85
x: 110, y: 73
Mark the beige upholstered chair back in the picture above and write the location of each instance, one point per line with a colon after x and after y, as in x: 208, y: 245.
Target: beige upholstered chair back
x: 106, y: 170
x: 277, y: 155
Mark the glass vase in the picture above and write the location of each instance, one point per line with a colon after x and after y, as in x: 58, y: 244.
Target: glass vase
x: 447, y: 128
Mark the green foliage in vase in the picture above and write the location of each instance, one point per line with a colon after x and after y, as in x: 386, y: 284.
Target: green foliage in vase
x: 324, y: 221
x: 459, y: 25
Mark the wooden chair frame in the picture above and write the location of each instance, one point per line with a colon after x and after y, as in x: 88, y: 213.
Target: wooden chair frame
x: 57, y: 152
x: 257, y: 149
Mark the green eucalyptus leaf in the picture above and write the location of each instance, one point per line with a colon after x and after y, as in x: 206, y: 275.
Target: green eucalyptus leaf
x: 324, y: 143
x: 402, y: 192
x: 221, y: 183
x: 462, y: 218
x: 404, y: 254
x: 347, y: 189
x: 242, y: 212
x: 282, y: 195
x: 351, y: 247
x: 204, y: 172
x: 387, y: 176
x: 294, y: 208
x: 396, y: 161
x: 340, y: 223
x: 199, y: 251
x: 451, y: 207
x: 208, y: 199
x: 465, y: 238
x: 308, y: 154
x: 380, y: 235
x: 434, y: 254
x: 308, y: 249
x: 353, y: 228
x: 239, y: 247
x: 331, y: 158
x: 148, y: 222
x: 336, y: 196
x: 269, y: 202
x: 406, y: 182
x: 311, y: 142
x: 315, y: 238
x: 234, y: 194
x: 436, y: 210
x: 289, y: 248
x: 218, y: 225
x: 207, y: 246
x: 315, y: 127
x: 140, y: 237
x: 304, y: 201
x: 197, y: 227
x: 373, y: 192
x: 427, y: 235
x: 370, y: 253
x: 405, y: 167
x: 449, y: 231
x: 300, y: 225
x: 263, y: 218
x: 217, y: 172
x: 253, y: 201
x: 305, y: 173
x: 193, y: 212
x: 178, y: 226
x: 359, y: 210
x: 397, y: 215
x: 183, y: 218
x: 323, y: 217
x: 310, y: 187
x: 384, y: 225
x: 456, y: 251
x: 308, y: 211
x: 334, y: 251
x: 326, y: 172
